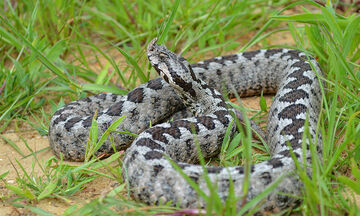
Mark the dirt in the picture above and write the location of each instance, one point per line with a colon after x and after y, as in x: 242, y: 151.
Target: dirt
x: 8, y: 157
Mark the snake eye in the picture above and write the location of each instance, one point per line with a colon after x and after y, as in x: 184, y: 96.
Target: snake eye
x: 182, y: 58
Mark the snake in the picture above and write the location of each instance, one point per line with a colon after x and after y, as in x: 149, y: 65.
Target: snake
x: 169, y: 139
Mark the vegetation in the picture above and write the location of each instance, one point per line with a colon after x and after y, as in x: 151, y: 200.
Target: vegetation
x: 57, y: 50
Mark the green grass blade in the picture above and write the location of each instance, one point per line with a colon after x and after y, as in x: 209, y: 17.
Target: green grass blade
x: 39, y: 55
x: 165, y: 32
x: 13, y: 145
x: 103, y: 88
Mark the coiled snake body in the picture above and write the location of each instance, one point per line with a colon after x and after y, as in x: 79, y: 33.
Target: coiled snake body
x: 150, y: 175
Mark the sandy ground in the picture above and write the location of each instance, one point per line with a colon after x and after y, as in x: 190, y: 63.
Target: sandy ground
x: 8, y: 157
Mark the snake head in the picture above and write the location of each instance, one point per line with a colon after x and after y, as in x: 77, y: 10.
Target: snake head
x: 174, y: 69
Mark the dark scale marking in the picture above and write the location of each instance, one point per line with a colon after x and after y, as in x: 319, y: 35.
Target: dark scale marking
x: 205, y: 64
x: 193, y: 75
x: 202, y: 76
x: 145, y: 194
x: 267, y: 209
x: 233, y: 58
x: 190, y: 126
x: 251, y: 54
x: 173, y: 131
x: 221, y: 104
x: 63, y: 117
x: 157, y: 169
x: 286, y: 153
x: 207, y: 121
x: 313, y: 131
x: 114, y: 97
x: 64, y: 109
x: 212, y: 83
x: 150, y: 155
x: 295, y: 142
x: 275, y: 162
x: 150, y: 144
x: 294, y: 127
x: 293, y: 54
x: 218, y: 72
x: 194, y: 178
x: 241, y: 169
x: 252, y: 168
x: 318, y: 149
x: 295, y: 84
x: 165, y: 78
x: 302, y: 65
x: 275, y: 110
x: 205, y: 86
x: 133, y: 156
x: 214, y: 170
x: 221, y: 116
x: 270, y: 52
x: 231, y: 75
x: 200, y: 65
x: 293, y: 96
x: 87, y: 122
x: 315, y: 94
x: 281, y: 199
x: 101, y: 96
x: 87, y: 99
x: 155, y: 84
x: 71, y: 122
x: 116, y: 109
x: 136, y: 95
x: 189, y: 146
x: 187, y: 87
x: 135, y: 112
x: 58, y: 136
x: 266, y: 178
x: 158, y: 133
x: 276, y: 127
x: 297, y: 203
x: 60, y: 111
x: 291, y: 111
x: 183, y: 165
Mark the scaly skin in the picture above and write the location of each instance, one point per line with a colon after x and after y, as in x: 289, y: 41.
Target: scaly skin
x: 151, y: 177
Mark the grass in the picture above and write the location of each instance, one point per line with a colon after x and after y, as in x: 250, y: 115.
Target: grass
x: 50, y: 46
